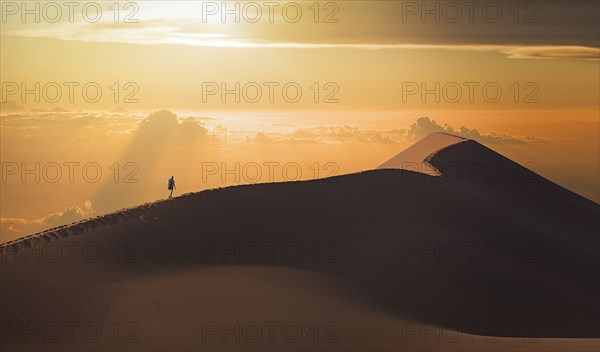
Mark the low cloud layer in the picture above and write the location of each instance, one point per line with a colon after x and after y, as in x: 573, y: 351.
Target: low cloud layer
x: 424, y: 126
x: 420, y: 128
x: 12, y: 228
x: 164, y: 128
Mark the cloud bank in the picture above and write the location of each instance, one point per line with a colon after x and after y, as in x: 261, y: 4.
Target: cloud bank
x: 12, y: 228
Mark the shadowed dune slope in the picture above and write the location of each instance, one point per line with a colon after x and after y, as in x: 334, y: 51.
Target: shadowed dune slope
x: 511, y: 250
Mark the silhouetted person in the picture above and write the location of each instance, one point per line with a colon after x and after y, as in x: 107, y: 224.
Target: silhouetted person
x: 171, y: 186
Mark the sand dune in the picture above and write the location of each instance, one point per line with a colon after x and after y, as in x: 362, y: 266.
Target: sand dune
x: 415, y: 158
x: 386, y: 259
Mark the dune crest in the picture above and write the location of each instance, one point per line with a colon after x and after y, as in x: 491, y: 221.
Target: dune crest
x: 417, y: 156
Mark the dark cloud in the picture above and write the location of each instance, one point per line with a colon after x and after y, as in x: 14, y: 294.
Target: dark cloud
x: 556, y: 28
x: 558, y: 52
x: 513, y: 23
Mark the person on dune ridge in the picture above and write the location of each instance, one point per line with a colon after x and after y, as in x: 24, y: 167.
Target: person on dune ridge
x: 171, y: 186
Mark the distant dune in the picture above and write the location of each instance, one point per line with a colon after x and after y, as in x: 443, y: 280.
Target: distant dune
x: 475, y: 253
